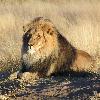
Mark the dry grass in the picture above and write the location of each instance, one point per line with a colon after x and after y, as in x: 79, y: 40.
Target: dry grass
x: 77, y: 20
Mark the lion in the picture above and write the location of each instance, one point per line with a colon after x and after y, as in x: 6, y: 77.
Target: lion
x: 45, y: 51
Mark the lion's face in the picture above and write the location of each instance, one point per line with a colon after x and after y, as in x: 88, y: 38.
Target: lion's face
x: 40, y: 38
x: 36, y: 41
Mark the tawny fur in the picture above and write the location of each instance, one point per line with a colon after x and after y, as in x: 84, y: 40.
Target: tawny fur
x: 46, y: 51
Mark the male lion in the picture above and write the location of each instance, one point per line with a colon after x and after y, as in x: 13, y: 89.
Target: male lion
x: 45, y: 51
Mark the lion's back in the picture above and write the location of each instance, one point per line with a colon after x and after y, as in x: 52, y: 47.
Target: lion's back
x: 83, y: 62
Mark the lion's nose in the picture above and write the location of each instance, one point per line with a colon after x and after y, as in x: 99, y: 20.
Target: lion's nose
x: 30, y: 46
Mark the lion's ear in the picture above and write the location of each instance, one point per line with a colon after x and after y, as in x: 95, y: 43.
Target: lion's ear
x: 48, y: 29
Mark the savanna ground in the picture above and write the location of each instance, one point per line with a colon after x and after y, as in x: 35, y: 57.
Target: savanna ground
x: 77, y: 20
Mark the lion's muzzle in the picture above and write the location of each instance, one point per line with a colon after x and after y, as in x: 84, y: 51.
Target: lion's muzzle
x: 31, y: 50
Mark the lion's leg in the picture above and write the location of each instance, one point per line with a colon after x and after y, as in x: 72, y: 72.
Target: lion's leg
x: 21, y: 70
x: 52, y: 69
x: 83, y: 62
x: 29, y: 76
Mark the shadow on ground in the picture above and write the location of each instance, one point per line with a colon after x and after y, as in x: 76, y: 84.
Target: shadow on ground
x: 67, y: 87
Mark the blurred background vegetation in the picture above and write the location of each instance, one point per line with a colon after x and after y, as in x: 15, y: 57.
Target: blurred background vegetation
x: 77, y: 20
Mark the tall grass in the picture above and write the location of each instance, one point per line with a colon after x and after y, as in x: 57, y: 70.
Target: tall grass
x: 77, y: 20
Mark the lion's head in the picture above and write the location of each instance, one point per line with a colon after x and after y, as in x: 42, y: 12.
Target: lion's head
x: 39, y: 40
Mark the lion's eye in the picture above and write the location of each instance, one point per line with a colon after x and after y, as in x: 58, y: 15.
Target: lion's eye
x: 39, y: 36
x: 51, y: 33
x: 48, y: 30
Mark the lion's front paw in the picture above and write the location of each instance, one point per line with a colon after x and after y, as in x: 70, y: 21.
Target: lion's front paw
x: 19, y: 75
x: 28, y: 77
